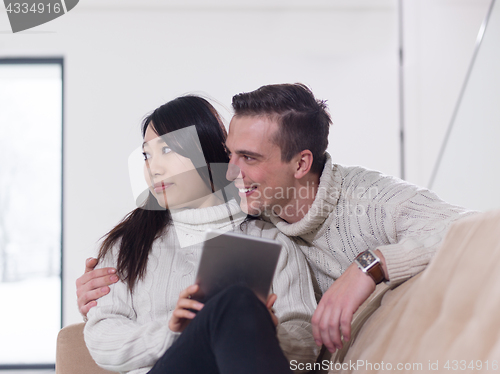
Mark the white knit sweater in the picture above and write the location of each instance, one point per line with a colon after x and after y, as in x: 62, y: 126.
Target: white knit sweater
x: 128, y: 332
x: 357, y: 209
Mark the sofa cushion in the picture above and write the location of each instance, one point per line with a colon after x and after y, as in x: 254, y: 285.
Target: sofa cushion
x: 72, y: 355
x: 446, y: 316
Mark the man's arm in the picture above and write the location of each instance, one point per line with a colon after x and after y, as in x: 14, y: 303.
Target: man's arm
x: 93, y: 284
x: 406, y: 224
x: 332, y: 319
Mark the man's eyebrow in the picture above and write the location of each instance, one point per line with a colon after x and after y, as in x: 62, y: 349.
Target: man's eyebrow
x: 248, y: 153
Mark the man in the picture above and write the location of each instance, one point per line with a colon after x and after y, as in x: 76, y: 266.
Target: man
x: 357, y: 227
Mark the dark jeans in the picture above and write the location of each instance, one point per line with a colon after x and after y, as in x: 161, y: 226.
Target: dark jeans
x: 232, y: 334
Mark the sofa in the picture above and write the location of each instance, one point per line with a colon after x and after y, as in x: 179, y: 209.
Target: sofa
x: 445, y: 319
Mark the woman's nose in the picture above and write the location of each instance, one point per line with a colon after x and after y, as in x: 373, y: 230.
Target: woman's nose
x: 155, y: 166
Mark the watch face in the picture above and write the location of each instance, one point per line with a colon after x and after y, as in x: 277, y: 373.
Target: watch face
x: 366, y: 259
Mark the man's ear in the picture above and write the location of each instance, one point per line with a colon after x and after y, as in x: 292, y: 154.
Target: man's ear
x: 303, y: 162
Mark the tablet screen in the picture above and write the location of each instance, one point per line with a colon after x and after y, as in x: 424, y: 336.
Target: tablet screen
x: 232, y: 258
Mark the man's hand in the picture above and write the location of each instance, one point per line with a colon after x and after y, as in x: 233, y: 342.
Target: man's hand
x: 93, y: 284
x: 332, y: 319
x: 183, y: 314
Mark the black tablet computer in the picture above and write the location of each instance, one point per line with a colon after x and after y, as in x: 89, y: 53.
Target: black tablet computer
x: 230, y: 258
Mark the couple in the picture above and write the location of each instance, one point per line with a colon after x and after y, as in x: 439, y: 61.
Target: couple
x: 277, y: 144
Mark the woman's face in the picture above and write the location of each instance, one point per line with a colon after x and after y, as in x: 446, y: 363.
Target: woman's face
x: 172, y: 178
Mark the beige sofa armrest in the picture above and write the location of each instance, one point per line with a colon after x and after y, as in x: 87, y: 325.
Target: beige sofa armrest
x: 72, y: 355
x: 448, y: 312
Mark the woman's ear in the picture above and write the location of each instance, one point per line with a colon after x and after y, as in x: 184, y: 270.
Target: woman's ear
x: 303, y: 162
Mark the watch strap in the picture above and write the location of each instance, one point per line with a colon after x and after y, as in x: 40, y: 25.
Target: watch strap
x: 377, y: 273
x: 374, y: 268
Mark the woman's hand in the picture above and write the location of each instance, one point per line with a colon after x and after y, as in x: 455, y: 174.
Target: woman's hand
x: 182, y: 315
x: 269, y: 304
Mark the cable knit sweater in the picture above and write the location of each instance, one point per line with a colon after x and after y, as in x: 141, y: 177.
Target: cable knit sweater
x: 128, y: 332
x: 357, y: 209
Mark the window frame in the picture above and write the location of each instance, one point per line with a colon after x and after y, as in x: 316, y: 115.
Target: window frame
x: 46, y: 61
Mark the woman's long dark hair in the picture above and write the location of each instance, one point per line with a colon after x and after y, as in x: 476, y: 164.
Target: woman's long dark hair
x: 141, y: 227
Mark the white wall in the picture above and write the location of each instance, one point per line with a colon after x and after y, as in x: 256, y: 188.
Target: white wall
x: 469, y: 172
x: 124, y: 58
x: 440, y: 37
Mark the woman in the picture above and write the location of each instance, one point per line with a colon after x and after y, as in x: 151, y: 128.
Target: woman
x: 137, y: 327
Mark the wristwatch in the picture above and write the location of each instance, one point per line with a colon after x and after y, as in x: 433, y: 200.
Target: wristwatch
x: 370, y: 264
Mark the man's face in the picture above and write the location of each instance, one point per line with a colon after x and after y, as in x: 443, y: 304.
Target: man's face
x: 263, y: 180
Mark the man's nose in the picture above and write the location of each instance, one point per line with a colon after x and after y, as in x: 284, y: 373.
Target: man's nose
x: 233, y: 172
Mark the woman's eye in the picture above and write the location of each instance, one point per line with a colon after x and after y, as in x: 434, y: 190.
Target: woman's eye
x: 166, y: 150
x: 146, y: 156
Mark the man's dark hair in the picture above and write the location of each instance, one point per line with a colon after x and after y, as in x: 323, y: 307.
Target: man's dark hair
x: 303, y: 121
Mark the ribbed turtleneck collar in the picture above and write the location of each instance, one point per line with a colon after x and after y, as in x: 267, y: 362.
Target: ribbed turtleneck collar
x: 324, y: 203
x: 215, y: 216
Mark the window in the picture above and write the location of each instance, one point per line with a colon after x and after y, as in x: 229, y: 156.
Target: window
x: 31, y: 102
